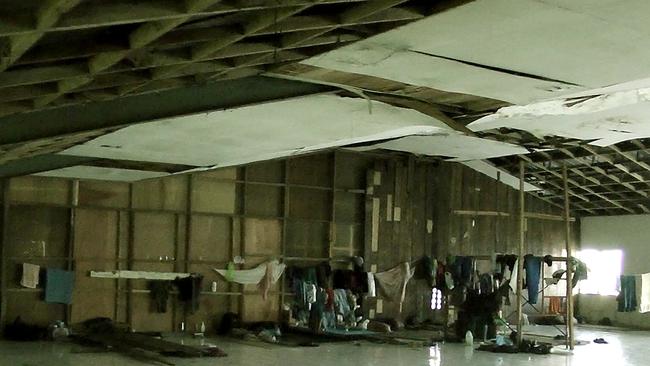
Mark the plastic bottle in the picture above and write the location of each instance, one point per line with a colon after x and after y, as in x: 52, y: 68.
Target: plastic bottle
x: 469, y: 338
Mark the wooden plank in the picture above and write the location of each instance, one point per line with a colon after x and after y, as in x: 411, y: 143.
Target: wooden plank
x: 551, y: 217
x: 480, y: 213
x: 374, y: 234
x: 138, y: 275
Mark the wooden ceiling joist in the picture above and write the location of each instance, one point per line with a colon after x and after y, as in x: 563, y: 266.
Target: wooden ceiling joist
x: 154, y: 40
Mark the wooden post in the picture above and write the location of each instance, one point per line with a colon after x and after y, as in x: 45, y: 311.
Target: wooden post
x: 569, y: 268
x: 520, y: 266
x: 129, y: 263
x: 74, y: 202
x: 3, y: 253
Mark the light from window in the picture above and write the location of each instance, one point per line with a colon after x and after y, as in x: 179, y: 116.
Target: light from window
x: 436, y: 299
x: 605, y: 268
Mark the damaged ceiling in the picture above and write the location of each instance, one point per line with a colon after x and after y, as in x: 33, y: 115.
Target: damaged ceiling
x: 61, y: 52
x: 141, y: 90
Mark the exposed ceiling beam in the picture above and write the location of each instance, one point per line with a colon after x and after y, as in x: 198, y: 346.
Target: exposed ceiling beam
x: 22, y: 128
x: 259, y: 22
x: 47, y: 15
x: 111, y: 13
x: 140, y: 37
x: 179, y: 39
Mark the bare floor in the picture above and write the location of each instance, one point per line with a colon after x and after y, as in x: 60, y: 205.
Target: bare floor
x: 624, y: 348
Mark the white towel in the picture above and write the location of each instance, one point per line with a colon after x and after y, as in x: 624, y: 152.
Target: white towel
x: 643, y: 292
x: 30, y: 275
x: 372, y: 291
x: 513, y: 276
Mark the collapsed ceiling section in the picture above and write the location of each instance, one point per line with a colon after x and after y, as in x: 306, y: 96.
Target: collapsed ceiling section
x: 519, y: 51
x: 487, y: 83
x: 287, y: 128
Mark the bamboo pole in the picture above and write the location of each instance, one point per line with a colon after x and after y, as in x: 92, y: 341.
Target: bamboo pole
x: 520, y: 265
x: 569, y: 269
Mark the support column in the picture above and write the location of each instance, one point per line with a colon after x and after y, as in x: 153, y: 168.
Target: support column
x: 569, y: 269
x: 520, y: 252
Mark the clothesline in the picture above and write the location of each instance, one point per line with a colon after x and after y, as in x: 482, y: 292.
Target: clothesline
x: 489, y: 257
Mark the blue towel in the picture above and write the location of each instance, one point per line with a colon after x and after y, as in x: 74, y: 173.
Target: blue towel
x: 58, y: 286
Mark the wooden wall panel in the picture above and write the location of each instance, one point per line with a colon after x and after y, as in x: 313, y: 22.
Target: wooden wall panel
x: 31, y: 308
x: 302, y: 207
x: 93, y: 297
x: 37, y: 232
x: 153, y: 235
x: 95, y: 249
x: 211, y: 310
x: 266, y: 201
x: 262, y: 237
x: 312, y: 170
x: 39, y: 190
x: 211, y: 237
x: 307, y: 203
x: 104, y: 194
x: 352, y: 169
x: 169, y: 193
x: 307, y: 238
x: 212, y: 195
x: 95, y: 234
x: 146, y: 319
x: 268, y: 172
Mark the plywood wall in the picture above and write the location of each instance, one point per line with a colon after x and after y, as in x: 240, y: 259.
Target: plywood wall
x: 302, y: 210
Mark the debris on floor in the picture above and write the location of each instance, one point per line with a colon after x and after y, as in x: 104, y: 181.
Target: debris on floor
x: 101, y: 332
x: 526, y: 346
x: 21, y: 331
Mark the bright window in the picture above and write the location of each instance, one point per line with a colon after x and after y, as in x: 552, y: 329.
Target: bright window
x: 605, y: 267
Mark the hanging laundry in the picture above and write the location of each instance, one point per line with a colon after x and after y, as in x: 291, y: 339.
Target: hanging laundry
x: 643, y: 292
x: 533, y: 266
x: 393, y: 282
x: 463, y: 270
x: 59, y: 285
x: 508, y: 260
x: 323, y: 275
x: 627, y: 297
x: 486, y: 283
x: 189, y: 290
x: 580, y: 271
x: 513, y: 275
x: 159, y: 294
x: 449, y: 280
x: 425, y: 269
x: 555, y: 305
x: 253, y: 276
x: 30, y: 275
x: 310, y: 291
x: 341, y: 305
x: 548, y: 259
x: 353, y: 280
x: 496, y: 267
x: 434, y: 271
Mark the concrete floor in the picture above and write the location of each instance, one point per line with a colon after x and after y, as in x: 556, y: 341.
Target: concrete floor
x: 624, y: 348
